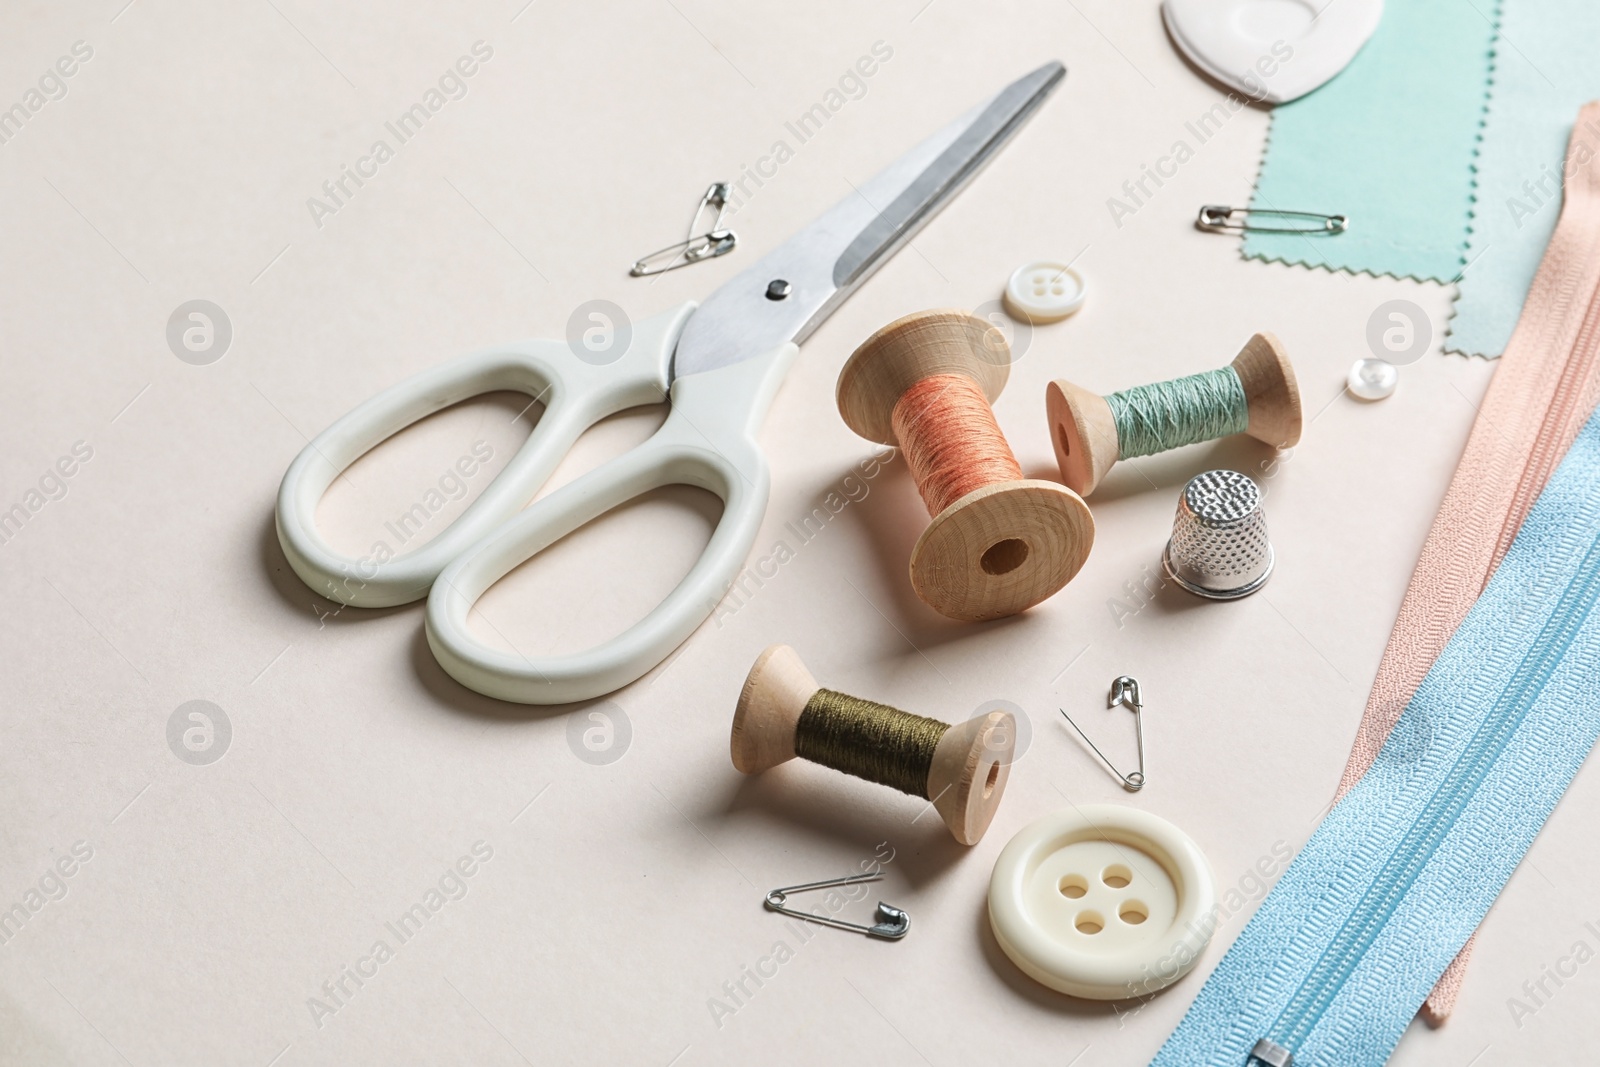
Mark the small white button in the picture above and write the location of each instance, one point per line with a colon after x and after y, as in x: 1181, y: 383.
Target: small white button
x: 1373, y: 379
x: 1102, y: 901
x: 1044, y: 291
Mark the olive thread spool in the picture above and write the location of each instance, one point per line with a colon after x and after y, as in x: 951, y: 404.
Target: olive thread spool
x: 998, y: 543
x: 1256, y: 394
x: 961, y: 769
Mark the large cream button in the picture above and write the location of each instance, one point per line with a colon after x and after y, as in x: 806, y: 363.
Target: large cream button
x: 1102, y: 901
x: 1044, y: 291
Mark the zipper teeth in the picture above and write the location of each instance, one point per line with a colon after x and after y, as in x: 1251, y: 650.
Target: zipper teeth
x: 1557, y: 427
x: 1426, y: 833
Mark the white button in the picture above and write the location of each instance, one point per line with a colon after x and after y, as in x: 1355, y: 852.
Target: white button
x: 1044, y: 291
x: 1373, y: 379
x: 1102, y: 901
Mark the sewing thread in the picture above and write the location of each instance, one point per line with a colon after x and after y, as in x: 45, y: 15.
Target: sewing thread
x: 952, y: 442
x: 1165, y: 415
x: 868, y: 740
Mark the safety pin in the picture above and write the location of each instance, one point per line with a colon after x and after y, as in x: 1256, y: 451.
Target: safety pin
x: 1219, y: 218
x: 1125, y: 691
x: 713, y: 242
x: 892, y: 923
x: 691, y: 250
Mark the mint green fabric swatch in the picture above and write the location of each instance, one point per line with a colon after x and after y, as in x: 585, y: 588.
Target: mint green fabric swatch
x: 1389, y: 143
x: 1545, y: 68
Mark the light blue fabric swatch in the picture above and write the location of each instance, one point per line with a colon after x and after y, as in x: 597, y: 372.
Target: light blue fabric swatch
x: 1545, y: 68
x: 1342, y: 952
x: 1389, y: 143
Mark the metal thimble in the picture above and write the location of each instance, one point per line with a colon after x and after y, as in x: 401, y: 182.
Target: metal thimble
x: 1219, y: 547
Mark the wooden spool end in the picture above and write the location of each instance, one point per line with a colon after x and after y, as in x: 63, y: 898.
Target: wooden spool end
x: 1000, y: 549
x: 775, y: 693
x: 912, y: 348
x: 1084, y: 434
x: 1270, y: 390
x: 969, y: 773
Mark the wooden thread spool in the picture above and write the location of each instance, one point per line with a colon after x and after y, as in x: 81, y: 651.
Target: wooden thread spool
x: 962, y: 769
x: 998, y: 543
x: 1084, y: 429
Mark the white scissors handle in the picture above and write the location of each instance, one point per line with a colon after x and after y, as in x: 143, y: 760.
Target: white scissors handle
x: 576, y: 394
x: 708, y: 441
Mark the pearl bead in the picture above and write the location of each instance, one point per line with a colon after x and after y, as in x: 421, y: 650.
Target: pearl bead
x: 1373, y: 379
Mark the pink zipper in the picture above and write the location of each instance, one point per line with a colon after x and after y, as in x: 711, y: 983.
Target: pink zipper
x: 1543, y: 391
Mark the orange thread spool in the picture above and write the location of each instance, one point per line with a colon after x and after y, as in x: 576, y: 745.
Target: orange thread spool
x: 998, y: 543
x: 952, y: 442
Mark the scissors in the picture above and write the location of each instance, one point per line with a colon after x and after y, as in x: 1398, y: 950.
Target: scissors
x: 720, y: 364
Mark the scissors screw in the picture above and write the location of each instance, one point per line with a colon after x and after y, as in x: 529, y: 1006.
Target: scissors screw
x: 778, y: 289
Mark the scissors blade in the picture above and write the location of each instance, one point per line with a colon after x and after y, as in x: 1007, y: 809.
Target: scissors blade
x: 825, y: 262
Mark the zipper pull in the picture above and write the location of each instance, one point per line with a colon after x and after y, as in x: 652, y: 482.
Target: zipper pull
x: 1270, y: 1053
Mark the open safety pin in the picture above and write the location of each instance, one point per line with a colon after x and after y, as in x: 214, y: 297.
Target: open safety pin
x: 714, y: 242
x: 1221, y: 219
x: 1124, y: 690
x: 892, y: 923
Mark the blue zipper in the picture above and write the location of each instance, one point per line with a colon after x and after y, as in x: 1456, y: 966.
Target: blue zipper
x: 1422, y: 839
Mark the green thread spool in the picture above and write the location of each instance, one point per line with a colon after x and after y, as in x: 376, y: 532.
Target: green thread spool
x: 1256, y: 394
x: 1185, y: 411
x: 962, y: 769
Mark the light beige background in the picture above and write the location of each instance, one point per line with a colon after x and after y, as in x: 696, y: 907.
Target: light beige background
x: 621, y: 897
